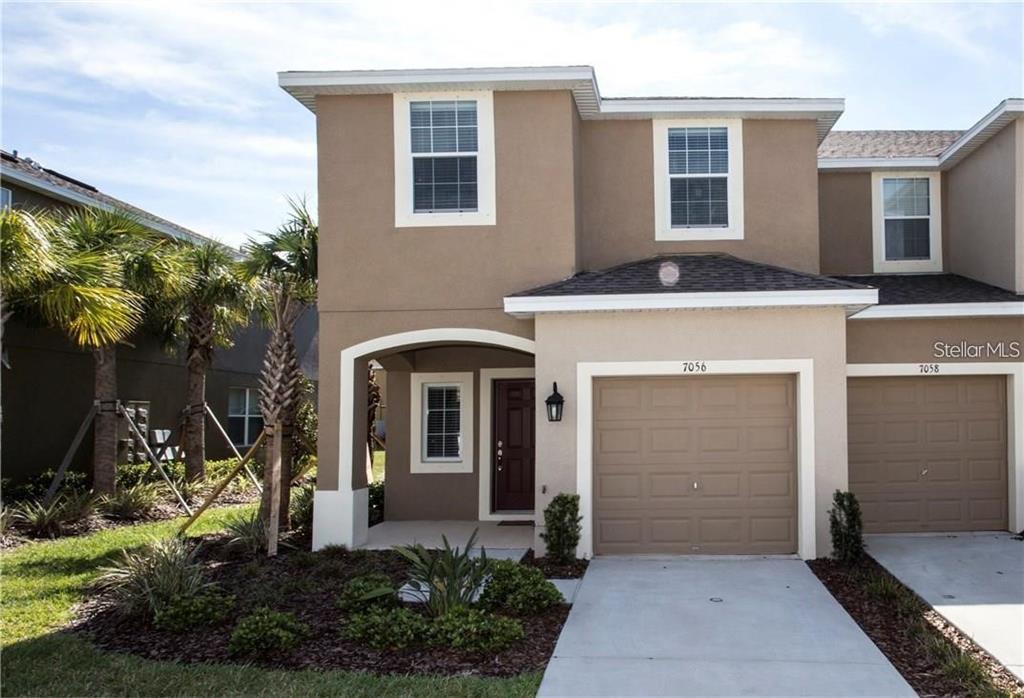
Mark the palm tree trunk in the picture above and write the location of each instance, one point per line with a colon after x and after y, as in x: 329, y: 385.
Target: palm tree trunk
x: 104, y: 468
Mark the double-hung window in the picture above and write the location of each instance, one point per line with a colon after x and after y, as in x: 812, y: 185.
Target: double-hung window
x: 907, y: 222
x: 441, y: 413
x: 444, y: 159
x: 698, y: 172
x: 245, y: 420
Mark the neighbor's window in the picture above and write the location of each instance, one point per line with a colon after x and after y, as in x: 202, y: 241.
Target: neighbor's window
x: 5, y: 197
x: 442, y: 422
x: 907, y: 217
x: 245, y: 421
x: 444, y: 151
x: 698, y: 170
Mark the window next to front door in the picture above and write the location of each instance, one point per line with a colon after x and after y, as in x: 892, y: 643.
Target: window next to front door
x: 440, y: 421
x: 907, y: 221
x: 245, y: 421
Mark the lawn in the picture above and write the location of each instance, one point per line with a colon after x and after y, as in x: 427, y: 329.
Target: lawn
x: 378, y: 465
x: 42, y: 582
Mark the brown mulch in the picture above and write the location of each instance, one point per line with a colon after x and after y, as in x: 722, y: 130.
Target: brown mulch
x: 307, y: 584
x: 892, y: 631
x: 551, y: 570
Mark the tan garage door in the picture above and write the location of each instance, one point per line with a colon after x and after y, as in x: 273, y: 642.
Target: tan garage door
x: 929, y: 453
x: 695, y: 465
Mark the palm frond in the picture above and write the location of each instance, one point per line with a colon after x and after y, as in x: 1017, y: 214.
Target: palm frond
x: 92, y: 316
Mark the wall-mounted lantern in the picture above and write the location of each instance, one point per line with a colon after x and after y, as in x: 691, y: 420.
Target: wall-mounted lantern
x: 554, y: 404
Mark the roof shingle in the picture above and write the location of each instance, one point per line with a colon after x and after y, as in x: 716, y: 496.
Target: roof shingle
x: 913, y: 289
x: 886, y: 144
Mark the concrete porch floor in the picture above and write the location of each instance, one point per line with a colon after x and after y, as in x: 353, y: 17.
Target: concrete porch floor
x: 428, y: 533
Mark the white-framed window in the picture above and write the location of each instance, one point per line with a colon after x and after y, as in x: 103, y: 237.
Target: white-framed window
x: 441, y: 413
x: 906, y: 221
x: 444, y: 159
x: 698, y: 179
x: 245, y: 420
x: 5, y: 197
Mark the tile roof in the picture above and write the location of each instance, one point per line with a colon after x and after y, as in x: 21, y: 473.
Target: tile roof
x: 45, y: 176
x: 689, y: 273
x: 912, y: 289
x: 886, y: 144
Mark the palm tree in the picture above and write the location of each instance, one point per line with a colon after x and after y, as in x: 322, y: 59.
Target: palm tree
x: 286, y: 262
x: 218, y: 302
x: 111, y: 272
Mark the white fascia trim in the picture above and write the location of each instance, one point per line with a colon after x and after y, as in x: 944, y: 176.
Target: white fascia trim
x: 487, y: 378
x: 878, y: 163
x: 988, y: 125
x: 74, y: 197
x: 1014, y: 372
x: 429, y: 77
x: 887, y: 266
x: 527, y: 306
x: 936, y: 310
x: 804, y: 370
x: 419, y: 464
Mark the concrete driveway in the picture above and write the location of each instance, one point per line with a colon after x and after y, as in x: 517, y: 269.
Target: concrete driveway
x: 738, y: 626
x: 975, y: 580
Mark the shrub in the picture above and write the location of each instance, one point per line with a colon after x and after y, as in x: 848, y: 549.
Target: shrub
x: 134, y: 502
x: 302, y: 507
x: 265, y: 631
x: 474, y: 630
x: 376, y: 495
x: 35, y: 487
x: 847, y: 528
x: 146, y: 580
x: 39, y: 520
x: 518, y: 589
x: 247, y: 531
x: 77, y: 505
x: 183, y: 613
x: 387, y: 627
x: 562, y: 528
x: 445, y: 579
x: 884, y: 588
x: 369, y: 590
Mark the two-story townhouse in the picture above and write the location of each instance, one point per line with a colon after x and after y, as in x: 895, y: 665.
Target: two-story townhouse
x: 670, y: 265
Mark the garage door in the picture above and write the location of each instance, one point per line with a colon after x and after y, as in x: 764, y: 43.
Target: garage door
x: 695, y: 465
x: 929, y: 453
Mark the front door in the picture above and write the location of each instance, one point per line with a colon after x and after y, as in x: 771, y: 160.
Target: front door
x: 512, y: 450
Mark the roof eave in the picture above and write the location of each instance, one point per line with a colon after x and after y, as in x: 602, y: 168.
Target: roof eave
x: 942, y: 310
x: 879, y: 163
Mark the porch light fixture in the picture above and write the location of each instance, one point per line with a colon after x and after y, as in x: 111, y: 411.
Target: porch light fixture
x: 554, y: 404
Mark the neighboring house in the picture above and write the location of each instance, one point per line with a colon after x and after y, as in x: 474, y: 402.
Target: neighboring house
x: 743, y: 311
x: 47, y: 382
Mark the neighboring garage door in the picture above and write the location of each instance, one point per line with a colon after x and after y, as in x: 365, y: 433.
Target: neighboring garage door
x: 695, y: 465
x: 929, y: 453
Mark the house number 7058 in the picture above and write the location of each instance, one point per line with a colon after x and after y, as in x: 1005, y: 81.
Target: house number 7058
x: 695, y: 367
x: 928, y: 368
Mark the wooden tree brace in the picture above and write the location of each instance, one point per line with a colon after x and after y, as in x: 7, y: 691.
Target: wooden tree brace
x: 227, y: 439
x: 153, y: 460
x: 58, y: 477
x: 224, y: 483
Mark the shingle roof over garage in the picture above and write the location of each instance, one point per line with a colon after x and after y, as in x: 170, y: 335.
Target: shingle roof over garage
x: 886, y: 144
x: 689, y: 273
x: 912, y: 289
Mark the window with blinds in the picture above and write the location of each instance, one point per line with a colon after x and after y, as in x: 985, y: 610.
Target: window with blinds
x: 442, y: 416
x: 444, y: 152
x: 906, y: 203
x: 698, y: 168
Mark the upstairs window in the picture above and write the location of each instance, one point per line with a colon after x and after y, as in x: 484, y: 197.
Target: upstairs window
x: 907, y: 222
x: 5, y: 197
x: 698, y: 179
x: 444, y: 159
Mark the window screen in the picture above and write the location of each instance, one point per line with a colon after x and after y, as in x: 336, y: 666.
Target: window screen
x: 907, y: 216
x: 443, y: 415
x: 698, y: 168
x: 444, y: 151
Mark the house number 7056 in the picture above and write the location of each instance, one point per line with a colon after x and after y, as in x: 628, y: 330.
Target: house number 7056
x: 695, y: 367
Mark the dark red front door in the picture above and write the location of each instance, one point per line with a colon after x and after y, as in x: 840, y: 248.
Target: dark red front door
x: 512, y: 450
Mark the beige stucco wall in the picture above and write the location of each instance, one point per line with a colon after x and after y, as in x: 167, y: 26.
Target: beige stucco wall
x: 780, y: 183
x: 845, y: 222
x: 818, y: 334
x: 437, y: 496
x: 982, y: 227
x: 913, y: 341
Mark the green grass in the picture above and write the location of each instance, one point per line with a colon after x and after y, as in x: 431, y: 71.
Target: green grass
x: 42, y: 581
x: 378, y: 465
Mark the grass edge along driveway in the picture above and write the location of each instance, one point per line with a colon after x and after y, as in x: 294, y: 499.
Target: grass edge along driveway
x: 42, y: 581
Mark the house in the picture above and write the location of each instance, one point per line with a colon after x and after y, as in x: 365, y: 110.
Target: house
x: 742, y: 309
x: 48, y: 381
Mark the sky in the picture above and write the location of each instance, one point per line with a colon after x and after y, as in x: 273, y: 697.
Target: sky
x: 174, y: 106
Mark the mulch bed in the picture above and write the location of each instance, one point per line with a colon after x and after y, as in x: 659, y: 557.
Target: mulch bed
x: 574, y: 570
x: 307, y: 584
x: 891, y: 631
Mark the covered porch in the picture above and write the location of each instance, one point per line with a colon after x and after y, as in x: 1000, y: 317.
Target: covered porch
x: 498, y: 539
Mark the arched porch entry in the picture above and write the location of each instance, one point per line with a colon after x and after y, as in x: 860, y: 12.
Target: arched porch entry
x: 341, y: 502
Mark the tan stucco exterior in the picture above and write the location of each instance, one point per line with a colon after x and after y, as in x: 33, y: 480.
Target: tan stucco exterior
x: 913, y: 340
x: 844, y: 221
x: 983, y: 231
x: 564, y: 340
x: 780, y: 195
